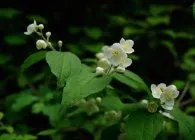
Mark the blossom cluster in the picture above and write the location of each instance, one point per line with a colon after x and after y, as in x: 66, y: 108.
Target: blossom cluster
x: 44, y: 42
x: 166, y: 94
x: 115, y: 57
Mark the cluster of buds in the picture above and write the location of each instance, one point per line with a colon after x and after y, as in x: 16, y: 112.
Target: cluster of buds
x: 44, y: 42
x: 91, y: 106
x: 115, y: 57
x: 113, y: 115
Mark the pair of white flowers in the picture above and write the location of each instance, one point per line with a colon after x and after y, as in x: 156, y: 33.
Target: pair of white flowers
x: 166, y: 94
x: 115, y: 56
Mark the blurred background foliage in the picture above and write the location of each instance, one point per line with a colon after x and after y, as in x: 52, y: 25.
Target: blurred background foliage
x: 164, y: 52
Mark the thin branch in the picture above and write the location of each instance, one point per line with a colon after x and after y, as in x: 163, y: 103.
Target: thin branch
x: 187, y: 102
x: 184, y: 92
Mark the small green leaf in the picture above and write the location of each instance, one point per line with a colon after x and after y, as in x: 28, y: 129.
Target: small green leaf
x: 38, y: 18
x: 133, y: 80
x: 186, y: 124
x: 154, y: 21
x: 112, y: 103
x: 9, y: 129
x: 29, y: 137
x: 82, y: 85
x: 4, y: 59
x: 63, y: 65
x: 37, y: 107
x: 16, y: 39
x: 33, y: 59
x: 1, y: 115
x: 94, y: 33
x: 8, y: 13
x: 22, y: 100
x: 53, y: 112
x: 47, y: 132
x: 129, y: 31
x: 179, y: 84
x: 142, y: 125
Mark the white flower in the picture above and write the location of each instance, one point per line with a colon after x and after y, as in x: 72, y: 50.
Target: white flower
x: 127, y: 45
x: 41, y: 44
x: 125, y: 62
x: 166, y: 94
x: 157, y: 90
x: 31, y: 28
x: 115, y: 54
x: 100, y: 70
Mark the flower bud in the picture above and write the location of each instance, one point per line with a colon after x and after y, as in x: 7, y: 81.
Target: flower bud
x: 41, y: 26
x: 60, y: 43
x: 120, y: 69
x: 144, y: 102
x: 152, y: 107
x: 100, y: 55
x: 48, y: 34
x: 98, y: 100
x: 41, y: 44
x: 99, y: 70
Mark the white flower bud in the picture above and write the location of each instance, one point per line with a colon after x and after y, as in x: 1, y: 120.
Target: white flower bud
x: 98, y: 100
x: 144, y: 101
x: 41, y: 44
x: 60, y: 43
x: 41, y: 26
x: 100, y: 55
x: 100, y: 70
x: 120, y: 69
x: 48, y: 34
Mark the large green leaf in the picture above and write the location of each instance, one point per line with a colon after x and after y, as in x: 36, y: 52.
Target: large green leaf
x: 186, y: 124
x: 33, y: 59
x: 112, y: 103
x: 82, y: 85
x: 142, y: 125
x: 133, y: 80
x: 63, y: 65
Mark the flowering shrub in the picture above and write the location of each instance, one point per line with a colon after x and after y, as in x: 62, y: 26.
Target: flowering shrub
x: 88, y: 97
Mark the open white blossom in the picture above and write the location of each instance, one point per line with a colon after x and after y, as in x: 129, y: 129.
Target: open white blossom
x: 125, y: 62
x: 166, y: 94
x: 127, y: 45
x: 31, y: 28
x: 115, y: 54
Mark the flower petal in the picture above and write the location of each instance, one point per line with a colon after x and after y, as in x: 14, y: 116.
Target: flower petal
x: 156, y: 92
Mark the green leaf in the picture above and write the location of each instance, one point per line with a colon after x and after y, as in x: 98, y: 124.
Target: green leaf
x: 29, y: 137
x: 37, y: 107
x: 186, y: 124
x: 128, y: 31
x: 38, y: 18
x: 94, y: 33
x: 52, y: 111
x: 15, y: 39
x: 4, y: 59
x: 170, y: 46
x: 179, y: 84
x: 142, y: 125
x: 8, y: 13
x: 112, y: 103
x: 82, y: 85
x: 33, y: 59
x: 47, y: 132
x: 132, y: 80
x: 154, y: 21
x: 22, y: 100
x: 1, y: 115
x: 63, y: 65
